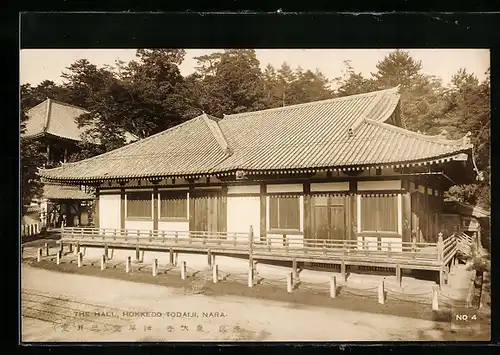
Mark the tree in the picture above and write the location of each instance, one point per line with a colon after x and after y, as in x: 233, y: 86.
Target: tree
x: 352, y: 82
x: 287, y: 87
x: 421, y: 94
x: 397, y: 68
x: 143, y: 97
x: 230, y: 82
x: 468, y: 110
x: 31, y: 159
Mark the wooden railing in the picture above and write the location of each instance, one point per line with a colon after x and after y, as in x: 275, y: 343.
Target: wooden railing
x: 30, y: 229
x: 464, y: 243
x: 156, y: 237
x: 294, y: 246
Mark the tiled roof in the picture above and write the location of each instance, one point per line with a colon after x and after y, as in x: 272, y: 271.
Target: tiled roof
x: 54, y: 118
x: 58, y: 119
x: 454, y: 206
x: 338, y: 133
x: 63, y: 192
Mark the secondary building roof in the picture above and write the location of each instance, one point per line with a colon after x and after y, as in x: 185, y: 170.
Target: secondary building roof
x: 352, y: 132
x: 58, y: 119
x: 64, y: 192
x: 453, y: 206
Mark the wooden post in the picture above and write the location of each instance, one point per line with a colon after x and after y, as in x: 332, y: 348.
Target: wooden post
x: 294, y: 269
x: 46, y: 249
x: 77, y: 249
x: 209, y: 257
x: 155, y: 267
x: 398, y: 275
x: 58, y: 257
x: 171, y: 256
x: 70, y: 247
x: 213, y: 259
x: 342, y: 270
x: 176, y: 255
x: 435, y: 299
x: 103, y: 262
x: 80, y: 259
x: 215, y: 274
x: 440, y: 248
x: 381, y: 293
x: 289, y: 282
x: 250, y: 276
x: 441, y: 277
x: 127, y: 264
x: 183, y: 270
x: 250, y: 246
x: 39, y: 255
x: 137, y: 253
x: 333, y: 287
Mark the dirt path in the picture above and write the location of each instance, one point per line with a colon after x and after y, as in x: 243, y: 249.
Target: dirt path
x: 62, y: 307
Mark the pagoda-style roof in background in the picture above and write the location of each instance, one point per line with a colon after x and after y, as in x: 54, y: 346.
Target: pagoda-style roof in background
x: 58, y: 119
x: 347, y: 133
x: 453, y: 206
x: 54, y: 118
x: 64, y: 192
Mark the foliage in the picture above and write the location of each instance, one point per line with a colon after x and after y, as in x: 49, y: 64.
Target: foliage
x: 31, y: 159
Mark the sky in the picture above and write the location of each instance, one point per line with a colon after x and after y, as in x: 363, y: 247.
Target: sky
x: 37, y: 65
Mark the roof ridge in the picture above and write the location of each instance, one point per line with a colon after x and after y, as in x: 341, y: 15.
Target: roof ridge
x: 364, y: 116
x: 312, y: 103
x: 434, y: 139
x: 47, y: 116
x: 69, y: 105
x: 132, y: 143
x: 217, y: 133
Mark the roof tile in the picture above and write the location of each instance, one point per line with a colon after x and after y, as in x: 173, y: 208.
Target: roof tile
x: 312, y: 135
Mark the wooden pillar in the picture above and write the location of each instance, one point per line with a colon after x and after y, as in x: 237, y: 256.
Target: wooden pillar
x: 398, y: 275
x: 127, y: 264
x: 250, y: 276
x: 353, y: 188
x: 435, y: 300
x: 263, y: 211
x: 343, y: 270
x: 103, y: 262
x: 48, y: 153
x: 289, y: 282
x: 333, y: 287
x: 294, y: 268
x: 155, y: 208
x: 426, y: 212
x: 80, y: 259
x: 171, y: 256
x: 122, y: 207
x: 96, y: 211
x: 215, y: 273
x: 307, y: 210
x: 381, y: 293
x: 191, y: 201
x: 406, y: 206
x: 155, y: 267
x: 183, y: 270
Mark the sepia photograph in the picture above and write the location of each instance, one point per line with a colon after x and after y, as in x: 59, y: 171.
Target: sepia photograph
x: 254, y: 195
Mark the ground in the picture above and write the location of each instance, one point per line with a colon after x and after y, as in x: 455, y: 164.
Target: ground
x: 59, y: 304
